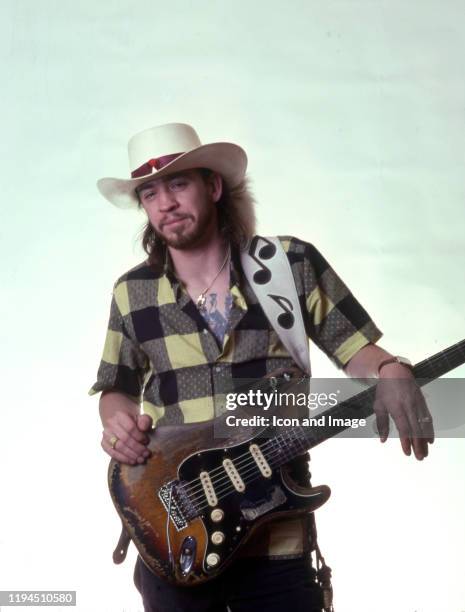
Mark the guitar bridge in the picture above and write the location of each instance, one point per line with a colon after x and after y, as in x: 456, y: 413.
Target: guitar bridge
x: 181, y: 510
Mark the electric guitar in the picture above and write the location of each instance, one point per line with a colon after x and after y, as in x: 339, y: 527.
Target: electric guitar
x: 195, y: 502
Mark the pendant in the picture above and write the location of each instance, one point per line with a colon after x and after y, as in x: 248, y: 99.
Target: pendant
x: 201, y: 301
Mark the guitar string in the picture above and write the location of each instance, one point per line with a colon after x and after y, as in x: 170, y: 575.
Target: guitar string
x: 225, y: 491
x: 201, y: 503
x: 225, y: 482
x: 459, y: 347
x: 222, y: 495
x: 198, y: 496
x: 247, y: 458
x: 286, y: 453
x: 299, y: 436
x: 238, y: 462
x: 281, y: 452
x: 286, y: 437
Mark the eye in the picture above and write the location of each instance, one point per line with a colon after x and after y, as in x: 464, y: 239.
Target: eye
x: 178, y: 184
x: 148, y: 195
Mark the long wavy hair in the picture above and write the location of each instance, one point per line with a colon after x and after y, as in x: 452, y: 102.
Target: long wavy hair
x: 236, y: 219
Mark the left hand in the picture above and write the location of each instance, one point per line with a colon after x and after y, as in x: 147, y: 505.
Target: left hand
x: 398, y: 395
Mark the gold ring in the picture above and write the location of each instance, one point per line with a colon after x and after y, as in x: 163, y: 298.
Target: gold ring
x: 113, y: 441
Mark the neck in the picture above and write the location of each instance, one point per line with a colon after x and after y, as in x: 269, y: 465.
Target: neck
x: 198, y: 265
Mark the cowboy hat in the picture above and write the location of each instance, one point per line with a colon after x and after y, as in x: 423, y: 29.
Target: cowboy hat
x: 169, y: 148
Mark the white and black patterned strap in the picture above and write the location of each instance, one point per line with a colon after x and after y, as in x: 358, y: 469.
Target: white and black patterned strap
x: 268, y: 271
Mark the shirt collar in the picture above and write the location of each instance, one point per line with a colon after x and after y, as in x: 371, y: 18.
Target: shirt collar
x: 235, y: 268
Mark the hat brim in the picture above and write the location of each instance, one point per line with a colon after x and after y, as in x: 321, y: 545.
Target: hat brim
x: 226, y: 158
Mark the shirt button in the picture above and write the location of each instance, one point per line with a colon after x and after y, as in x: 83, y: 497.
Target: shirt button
x: 205, y: 331
x: 218, y: 369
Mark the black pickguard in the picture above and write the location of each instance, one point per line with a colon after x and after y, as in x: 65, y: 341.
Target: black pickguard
x: 262, y: 496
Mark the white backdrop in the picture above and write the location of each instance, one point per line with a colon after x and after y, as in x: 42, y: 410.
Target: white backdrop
x: 352, y: 114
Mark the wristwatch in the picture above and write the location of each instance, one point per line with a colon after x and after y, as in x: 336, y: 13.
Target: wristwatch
x: 397, y: 359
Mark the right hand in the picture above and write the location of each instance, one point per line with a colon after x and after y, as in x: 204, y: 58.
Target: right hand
x: 132, y: 440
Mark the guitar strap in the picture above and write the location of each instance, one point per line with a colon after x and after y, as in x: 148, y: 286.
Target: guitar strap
x: 274, y: 285
x: 269, y: 273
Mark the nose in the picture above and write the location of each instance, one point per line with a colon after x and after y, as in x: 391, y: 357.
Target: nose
x: 166, y: 199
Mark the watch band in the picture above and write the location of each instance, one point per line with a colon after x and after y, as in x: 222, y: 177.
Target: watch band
x: 397, y: 359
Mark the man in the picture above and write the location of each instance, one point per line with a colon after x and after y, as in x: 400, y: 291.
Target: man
x: 187, y: 318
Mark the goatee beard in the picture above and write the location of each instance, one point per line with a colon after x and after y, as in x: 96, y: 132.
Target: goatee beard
x: 184, y: 240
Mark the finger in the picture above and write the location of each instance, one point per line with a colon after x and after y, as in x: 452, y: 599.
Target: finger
x: 129, y: 424
x: 406, y: 444
x: 144, y: 422
x: 382, y: 420
x: 416, y: 435
x: 423, y: 430
x: 116, y: 454
x: 410, y: 409
x: 121, y: 452
x: 125, y: 443
x: 425, y: 447
x: 403, y: 428
x: 420, y: 448
x: 119, y: 445
x: 132, y: 436
x: 425, y: 418
x: 382, y: 424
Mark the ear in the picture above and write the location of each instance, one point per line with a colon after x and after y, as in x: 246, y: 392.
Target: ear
x: 216, y: 186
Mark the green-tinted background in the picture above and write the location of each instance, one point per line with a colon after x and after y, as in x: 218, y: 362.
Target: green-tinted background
x: 352, y: 115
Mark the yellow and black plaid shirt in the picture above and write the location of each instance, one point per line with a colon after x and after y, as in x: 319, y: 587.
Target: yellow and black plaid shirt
x: 160, y: 350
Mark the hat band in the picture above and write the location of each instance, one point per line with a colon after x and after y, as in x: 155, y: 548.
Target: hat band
x: 152, y: 164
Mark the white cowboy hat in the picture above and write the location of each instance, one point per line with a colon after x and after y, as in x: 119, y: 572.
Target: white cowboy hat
x: 171, y: 148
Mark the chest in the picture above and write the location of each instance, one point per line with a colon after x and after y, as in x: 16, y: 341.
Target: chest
x: 167, y: 326
x: 215, y: 308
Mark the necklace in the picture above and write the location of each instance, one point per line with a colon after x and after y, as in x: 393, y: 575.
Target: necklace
x: 200, y: 302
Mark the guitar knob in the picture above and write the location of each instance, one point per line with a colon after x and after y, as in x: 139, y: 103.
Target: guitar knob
x: 213, y: 559
x: 217, y: 515
x: 218, y: 537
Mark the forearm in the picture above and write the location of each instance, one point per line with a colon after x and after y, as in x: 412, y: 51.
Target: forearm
x: 365, y: 363
x: 112, y: 402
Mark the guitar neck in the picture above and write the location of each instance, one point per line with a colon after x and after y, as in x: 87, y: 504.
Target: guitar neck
x: 298, y: 439
x: 441, y: 363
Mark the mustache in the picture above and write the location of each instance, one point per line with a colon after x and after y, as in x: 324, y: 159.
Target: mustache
x: 171, y: 218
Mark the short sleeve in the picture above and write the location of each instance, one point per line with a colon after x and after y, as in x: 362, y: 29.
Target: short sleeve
x: 123, y: 364
x: 337, y: 322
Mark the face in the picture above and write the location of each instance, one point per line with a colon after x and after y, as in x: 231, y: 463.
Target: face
x: 181, y: 207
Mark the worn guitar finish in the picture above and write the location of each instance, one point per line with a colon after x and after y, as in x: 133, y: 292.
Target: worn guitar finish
x: 218, y: 492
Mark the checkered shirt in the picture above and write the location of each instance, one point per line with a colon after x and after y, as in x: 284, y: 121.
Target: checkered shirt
x: 160, y: 350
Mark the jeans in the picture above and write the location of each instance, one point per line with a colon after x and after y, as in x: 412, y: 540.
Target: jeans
x: 250, y: 584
